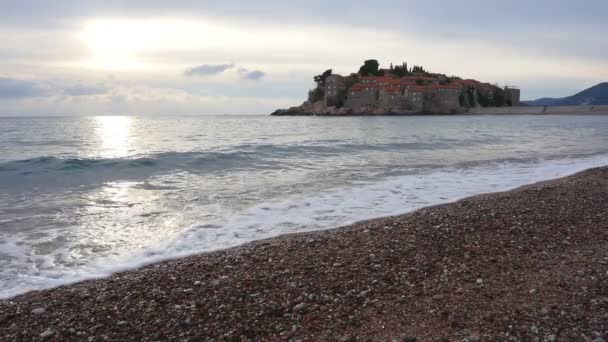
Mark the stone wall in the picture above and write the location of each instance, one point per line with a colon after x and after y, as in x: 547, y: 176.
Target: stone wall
x: 388, y: 100
x: 335, y: 91
x: 513, y: 96
x: 442, y: 101
x: 358, y: 99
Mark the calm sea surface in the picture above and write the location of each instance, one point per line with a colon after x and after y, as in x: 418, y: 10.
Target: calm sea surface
x: 84, y: 197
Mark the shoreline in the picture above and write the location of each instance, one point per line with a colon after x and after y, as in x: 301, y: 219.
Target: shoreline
x: 524, y: 110
x: 351, y: 281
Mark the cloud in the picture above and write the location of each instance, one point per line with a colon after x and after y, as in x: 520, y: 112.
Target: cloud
x: 11, y: 88
x: 216, y: 69
x: 251, y: 74
x: 208, y: 69
x: 85, y: 90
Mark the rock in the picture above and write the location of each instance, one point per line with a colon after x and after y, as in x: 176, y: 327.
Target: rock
x: 410, y: 339
x: 300, y: 307
x: 599, y: 339
x: 38, y: 311
x: 197, y: 283
x: 532, y: 291
x: 551, y: 338
x: 47, y: 333
x: 72, y: 331
x: 544, y: 311
x: 474, y: 338
x: 479, y: 281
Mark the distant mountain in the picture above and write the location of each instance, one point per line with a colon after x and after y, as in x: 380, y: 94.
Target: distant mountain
x: 594, y: 96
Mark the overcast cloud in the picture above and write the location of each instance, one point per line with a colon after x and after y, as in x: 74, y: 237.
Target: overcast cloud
x: 79, y: 57
x: 207, y: 70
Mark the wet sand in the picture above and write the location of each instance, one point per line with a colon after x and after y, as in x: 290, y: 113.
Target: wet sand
x: 525, y: 265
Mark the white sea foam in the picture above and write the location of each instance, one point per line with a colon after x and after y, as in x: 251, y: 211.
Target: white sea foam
x: 330, y: 209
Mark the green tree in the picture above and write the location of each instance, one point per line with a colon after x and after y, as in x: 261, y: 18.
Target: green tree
x: 471, y: 96
x: 320, y: 79
x: 370, y: 67
x: 499, y: 98
x: 418, y: 68
x: 316, y: 94
x: 483, y: 99
x: 401, y: 70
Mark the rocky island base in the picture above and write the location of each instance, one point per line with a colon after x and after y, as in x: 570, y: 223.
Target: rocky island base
x: 525, y: 265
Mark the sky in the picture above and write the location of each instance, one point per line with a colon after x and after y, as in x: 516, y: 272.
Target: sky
x: 187, y: 57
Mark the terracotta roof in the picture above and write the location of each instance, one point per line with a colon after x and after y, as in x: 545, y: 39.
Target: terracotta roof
x: 377, y: 79
x: 404, y: 82
x: 392, y: 90
x: 361, y: 86
x: 420, y: 78
x: 447, y: 86
x: 465, y: 82
x: 419, y: 89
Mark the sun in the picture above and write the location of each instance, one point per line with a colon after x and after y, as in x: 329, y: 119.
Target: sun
x: 117, y: 44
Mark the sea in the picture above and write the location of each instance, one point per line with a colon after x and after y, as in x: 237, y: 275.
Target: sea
x: 84, y: 197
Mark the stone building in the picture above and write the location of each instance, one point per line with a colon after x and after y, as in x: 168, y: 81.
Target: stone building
x: 335, y: 91
x: 362, y: 94
x: 415, y: 98
x: 392, y: 97
x: 441, y: 99
x: 513, y: 96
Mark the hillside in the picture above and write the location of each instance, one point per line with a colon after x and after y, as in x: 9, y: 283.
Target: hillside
x: 596, y: 95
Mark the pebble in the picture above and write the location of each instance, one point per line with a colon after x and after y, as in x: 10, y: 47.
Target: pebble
x: 300, y: 307
x: 38, y: 311
x: 532, y: 291
x: 479, y: 281
x: 197, y: 283
x: 46, y: 333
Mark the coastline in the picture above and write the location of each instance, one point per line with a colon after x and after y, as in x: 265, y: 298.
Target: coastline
x: 527, y: 110
x: 538, y: 250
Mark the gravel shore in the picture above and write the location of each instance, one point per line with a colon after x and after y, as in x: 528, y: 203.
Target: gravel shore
x: 525, y: 265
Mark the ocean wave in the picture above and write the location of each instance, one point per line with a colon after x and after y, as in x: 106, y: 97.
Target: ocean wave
x: 49, y: 171
x: 269, y: 218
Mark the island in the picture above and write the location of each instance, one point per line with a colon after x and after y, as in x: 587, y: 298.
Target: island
x: 399, y: 90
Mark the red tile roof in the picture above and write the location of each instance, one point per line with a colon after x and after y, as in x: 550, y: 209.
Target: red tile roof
x: 420, y: 78
x: 419, y: 89
x: 446, y: 86
x: 392, y: 90
x: 362, y: 86
x: 377, y: 79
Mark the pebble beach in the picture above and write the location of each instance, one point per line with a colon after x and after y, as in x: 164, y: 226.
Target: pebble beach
x: 525, y: 265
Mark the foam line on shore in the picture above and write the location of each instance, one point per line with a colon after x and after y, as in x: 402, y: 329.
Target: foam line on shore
x: 393, y: 196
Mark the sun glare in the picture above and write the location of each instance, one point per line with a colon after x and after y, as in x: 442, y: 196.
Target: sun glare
x: 114, y: 134
x: 117, y: 44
